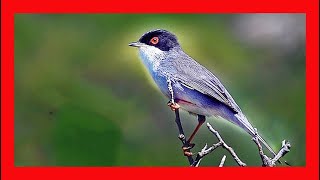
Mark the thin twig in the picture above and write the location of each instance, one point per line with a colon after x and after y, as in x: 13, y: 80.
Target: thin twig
x: 222, y: 161
x: 285, y: 148
x: 271, y: 162
x: 224, y: 145
x: 204, y: 151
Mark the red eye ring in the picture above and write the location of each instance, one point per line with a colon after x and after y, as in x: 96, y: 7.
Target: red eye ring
x: 154, y: 40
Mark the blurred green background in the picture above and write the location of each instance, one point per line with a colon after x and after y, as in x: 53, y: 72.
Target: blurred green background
x: 83, y: 97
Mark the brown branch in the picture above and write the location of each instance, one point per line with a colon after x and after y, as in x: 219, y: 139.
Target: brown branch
x: 181, y: 135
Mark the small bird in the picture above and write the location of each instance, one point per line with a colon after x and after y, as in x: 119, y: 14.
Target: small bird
x: 188, y: 84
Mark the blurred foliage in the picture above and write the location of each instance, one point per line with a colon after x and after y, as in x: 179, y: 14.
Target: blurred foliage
x: 83, y: 97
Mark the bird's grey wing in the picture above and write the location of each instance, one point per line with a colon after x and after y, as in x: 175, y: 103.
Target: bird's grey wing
x: 193, y: 75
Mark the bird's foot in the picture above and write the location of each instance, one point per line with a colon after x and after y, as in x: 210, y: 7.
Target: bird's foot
x: 186, y: 149
x: 174, y: 106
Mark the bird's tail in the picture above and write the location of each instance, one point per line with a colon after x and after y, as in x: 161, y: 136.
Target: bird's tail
x: 242, y: 121
x: 266, y: 145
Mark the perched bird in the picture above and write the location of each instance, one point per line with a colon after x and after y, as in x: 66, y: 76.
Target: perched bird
x: 188, y: 84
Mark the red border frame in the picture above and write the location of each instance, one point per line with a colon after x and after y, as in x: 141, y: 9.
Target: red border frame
x: 9, y: 7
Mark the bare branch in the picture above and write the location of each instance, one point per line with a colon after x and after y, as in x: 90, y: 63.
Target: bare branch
x: 285, y: 148
x: 271, y: 162
x: 224, y: 145
x: 266, y: 161
x: 222, y: 161
x: 204, y: 151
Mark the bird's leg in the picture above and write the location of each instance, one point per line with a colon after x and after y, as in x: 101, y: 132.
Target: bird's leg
x: 178, y: 122
x: 174, y: 106
x: 188, y: 145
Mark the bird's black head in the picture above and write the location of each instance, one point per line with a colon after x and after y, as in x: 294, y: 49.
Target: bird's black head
x: 162, y: 39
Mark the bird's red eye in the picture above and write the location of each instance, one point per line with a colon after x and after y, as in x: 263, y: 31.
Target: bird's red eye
x: 154, y: 40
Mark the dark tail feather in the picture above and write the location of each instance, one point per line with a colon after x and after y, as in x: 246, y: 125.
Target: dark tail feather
x: 243, y: 122
x: 266, y: 145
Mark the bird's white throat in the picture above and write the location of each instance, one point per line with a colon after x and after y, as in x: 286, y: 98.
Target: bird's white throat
x: 151, y: 56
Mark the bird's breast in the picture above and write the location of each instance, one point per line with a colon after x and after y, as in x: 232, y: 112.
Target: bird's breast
x: 151, y: 58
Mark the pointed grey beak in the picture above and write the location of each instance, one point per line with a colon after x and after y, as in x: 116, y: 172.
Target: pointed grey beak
x: 135, y: 44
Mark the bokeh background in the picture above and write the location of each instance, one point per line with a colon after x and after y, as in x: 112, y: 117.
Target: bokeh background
x: 83, y: 97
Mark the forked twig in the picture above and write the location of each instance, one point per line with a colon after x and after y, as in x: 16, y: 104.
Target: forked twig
x: 271, y: 162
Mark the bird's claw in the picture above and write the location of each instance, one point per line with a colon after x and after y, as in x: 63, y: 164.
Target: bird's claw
x: 186, y: 149
x: 174, y: 106
x: 188, y: 146
x: 187, y: 153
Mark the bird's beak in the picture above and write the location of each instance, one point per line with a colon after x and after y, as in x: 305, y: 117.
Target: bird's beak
x: 135, y: 44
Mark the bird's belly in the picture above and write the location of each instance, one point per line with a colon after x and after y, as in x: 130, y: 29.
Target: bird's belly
x: 195, y: 102
x: 193, y: 108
